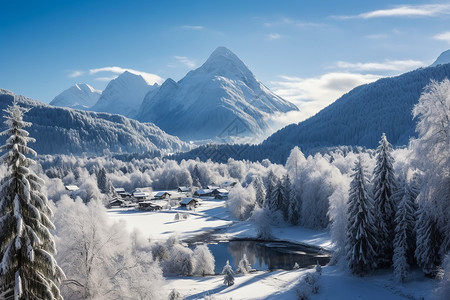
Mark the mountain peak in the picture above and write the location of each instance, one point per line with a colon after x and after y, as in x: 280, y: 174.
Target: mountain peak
x: 443, y: 59
x: 222, y: 61
x: 79, y: 96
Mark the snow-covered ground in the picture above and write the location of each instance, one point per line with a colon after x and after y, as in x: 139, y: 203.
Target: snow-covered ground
x: 334, y: 283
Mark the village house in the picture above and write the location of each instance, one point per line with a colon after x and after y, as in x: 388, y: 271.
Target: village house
x: 150, y: 206
x: 183, y: 189
x: 190, y: 202
x: 203, y: 193
x: 161, y: 195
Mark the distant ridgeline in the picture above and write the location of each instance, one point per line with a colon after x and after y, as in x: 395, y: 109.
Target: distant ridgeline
x: 358, y: 118
x: 68, y: 131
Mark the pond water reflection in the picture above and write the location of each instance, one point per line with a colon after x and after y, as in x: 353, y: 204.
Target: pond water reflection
x: 267, y: 255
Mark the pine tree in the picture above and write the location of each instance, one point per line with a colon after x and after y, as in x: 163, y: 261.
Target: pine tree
x: 228, y: 272
x: 27, y: 266
x: 286, y: 195
x: 360, y: 235
x: 270, y: 184
x: 260, y: 191
x: 384, y: 185
x: 404, y: 240
x: 428, y: 241
x: 196, y: 177
x: 294, y: 207
x: 104, y: 185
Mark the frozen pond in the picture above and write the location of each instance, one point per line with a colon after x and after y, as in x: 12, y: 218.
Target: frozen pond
x: 267, y: 255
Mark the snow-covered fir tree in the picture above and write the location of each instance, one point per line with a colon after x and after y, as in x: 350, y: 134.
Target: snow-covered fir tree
x: 270, y: 185
x: 384, y: 185
x: 228, y: 279
x: 260, y: 191
x: 294, y: 207
x: 428, y: 240
x: 360, y: 233
x: 286, y: 188
x: 244, y: 266
x: 443, y: 290
x: 404, y: 240
x: 27, y: 266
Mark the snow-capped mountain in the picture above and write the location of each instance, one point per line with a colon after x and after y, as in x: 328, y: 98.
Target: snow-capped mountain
x: 60, y: 130
x: 124, y: 95
x: 221, y: 100
x: 80, y: 96
x: 442, y: 59
x: 358, y: 118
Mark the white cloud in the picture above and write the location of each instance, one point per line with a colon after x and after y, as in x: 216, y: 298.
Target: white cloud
x: 76, y: 73
x: 387, y: 65
x: 312, y: 94
x: 192, y: 27
x: 185, y: 61
x: 286, y: 21
x: 274, y: 36
x: 150, y: 78
x: 445, y: 36
x: 427, y: 10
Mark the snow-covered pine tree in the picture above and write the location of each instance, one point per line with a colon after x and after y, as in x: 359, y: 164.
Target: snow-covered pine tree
x: 404, y: 240
x: 260, y: 191
x: 103, y: 183
x: 384, y: 185
x: 360, y: 233
x: 294, y: 207
x: 286, y: 196
x: 270, y: 185
x: 277, y: 197
x: 27, y: 265
x: 204, y: 261
x: 428, y: 240
x: 244, y: 266
x: 228, y: 272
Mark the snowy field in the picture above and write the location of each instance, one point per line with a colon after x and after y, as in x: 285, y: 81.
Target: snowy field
x: 212, y: 214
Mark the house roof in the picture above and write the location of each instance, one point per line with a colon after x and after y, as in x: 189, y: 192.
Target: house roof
x: 160, y: 194
x: 183, y: 188
x: 222, y: 191
x: 204, y: 191
x: 72, y: 188
x: 140, y: 194
x: 186, y: 201
x: 213, y: 186
x: 119, y: 190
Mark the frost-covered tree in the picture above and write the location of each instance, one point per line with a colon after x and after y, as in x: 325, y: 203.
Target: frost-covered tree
x: 204, y: 261
x: 175, y: 295
x: 384, y: 185
x: 262, y: 219
x: 241, y: 201
x: 404, y: 239
x: 337, y: 213
x: 360, y: 233
x: 294, y: 207
x: 294, y: 163
x: 428, y: 240
x: 228, y: 279
x: 27, y: 266
x: 99, y: 258
x: 260, y: 191
x: 244, y: 266
x: 443, y: 290
x: 431, y: 154
x: 270, y: 185
x: 287, y: 191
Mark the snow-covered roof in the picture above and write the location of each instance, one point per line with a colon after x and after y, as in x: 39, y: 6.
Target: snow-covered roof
x: 222, y: 191
x: 183, y: 188
x: 72, y: 188
x: 140, y: 194
x: 204, y: 191
x: 186, y: 201
x: 160, y: 194
x: 119, y: 190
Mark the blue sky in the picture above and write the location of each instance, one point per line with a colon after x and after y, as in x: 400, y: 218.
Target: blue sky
x: 309, y: 52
